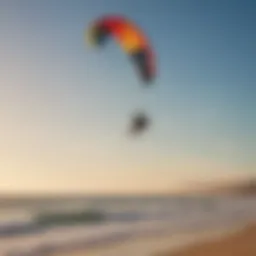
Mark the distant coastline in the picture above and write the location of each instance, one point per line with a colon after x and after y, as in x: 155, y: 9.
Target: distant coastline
x: 243, y: 188
x: 235, y: 188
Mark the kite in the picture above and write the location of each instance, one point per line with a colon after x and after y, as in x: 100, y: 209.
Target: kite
x: 131, y: 39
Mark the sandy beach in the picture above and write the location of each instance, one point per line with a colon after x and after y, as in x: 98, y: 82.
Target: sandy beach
x: 242, y: 243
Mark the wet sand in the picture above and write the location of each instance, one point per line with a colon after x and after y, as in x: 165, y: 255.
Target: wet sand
x: 242, y: 243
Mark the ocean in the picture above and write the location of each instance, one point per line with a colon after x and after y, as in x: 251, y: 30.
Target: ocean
x: 41, y: 226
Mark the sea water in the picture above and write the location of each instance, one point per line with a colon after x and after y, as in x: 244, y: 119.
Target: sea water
x: 40, y: 225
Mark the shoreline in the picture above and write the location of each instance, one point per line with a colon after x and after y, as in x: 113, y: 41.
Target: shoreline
x: 165, y: 243
x: 153, y: 244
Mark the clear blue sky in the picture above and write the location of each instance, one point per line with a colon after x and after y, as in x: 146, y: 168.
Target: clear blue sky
x: 65, y: 107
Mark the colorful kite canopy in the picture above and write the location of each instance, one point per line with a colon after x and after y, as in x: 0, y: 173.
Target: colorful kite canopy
x: 131, y: 39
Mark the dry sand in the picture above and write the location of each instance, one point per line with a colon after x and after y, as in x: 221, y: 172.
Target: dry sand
x: 242, y: 243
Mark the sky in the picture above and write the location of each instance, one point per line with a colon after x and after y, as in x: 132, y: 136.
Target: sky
x: 65, y: 107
